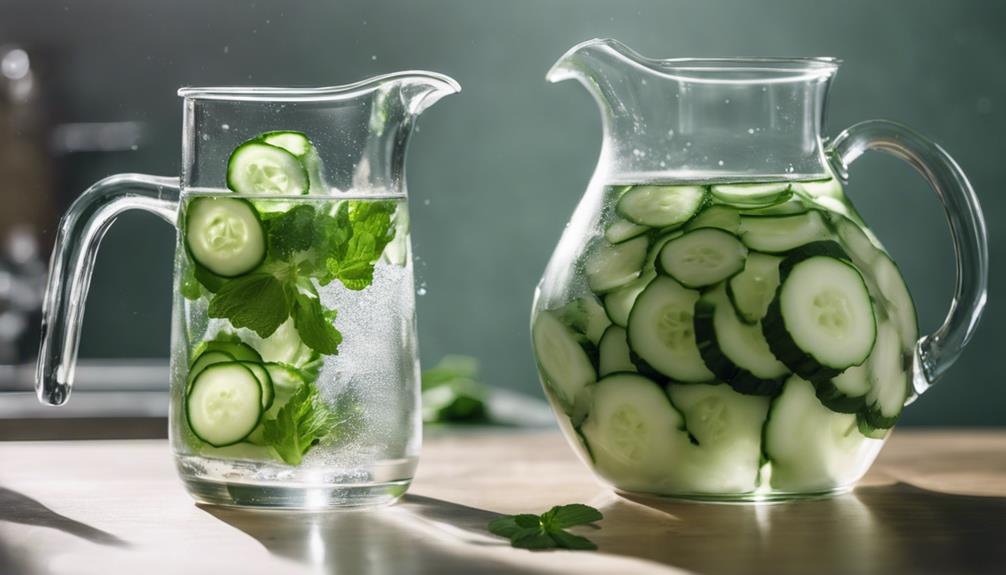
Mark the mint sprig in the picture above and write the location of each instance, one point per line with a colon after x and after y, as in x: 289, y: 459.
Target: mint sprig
x: 548, y: 530
x: 299, y: 425
x: 304, y: 245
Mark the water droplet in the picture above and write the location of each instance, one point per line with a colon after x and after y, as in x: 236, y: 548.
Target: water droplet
x: 643, y: 81
x: 663, y: 164
x: 719, y: 163
x: 268, y: 21
x: 727, y: 101
x: 227, y: 49
x: 426, y: 202
x: 751, y: 130
x: 374, y: 57
x: 206, y: 137
x: 688, y: 144
x: 421, y: 291
x: 134, y: 147
x: 225, y: 127
x: 670, y: 133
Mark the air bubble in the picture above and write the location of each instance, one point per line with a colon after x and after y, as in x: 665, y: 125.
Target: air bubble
x: 225, y: 127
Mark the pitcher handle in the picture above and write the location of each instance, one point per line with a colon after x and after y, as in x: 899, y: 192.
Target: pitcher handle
x: 936, y: 352
x: 80, y: 231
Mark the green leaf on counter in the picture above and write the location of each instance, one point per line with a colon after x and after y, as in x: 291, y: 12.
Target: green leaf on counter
x: 548, y: 530
x: 452, y: 392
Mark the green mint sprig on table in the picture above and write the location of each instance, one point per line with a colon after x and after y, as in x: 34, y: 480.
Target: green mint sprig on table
x: 306, y: 244
x: 548, y: 530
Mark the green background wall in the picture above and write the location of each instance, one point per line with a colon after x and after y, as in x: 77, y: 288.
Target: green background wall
x: 495, y: 172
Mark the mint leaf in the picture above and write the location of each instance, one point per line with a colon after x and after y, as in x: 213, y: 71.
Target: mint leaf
x: 293, y: 231
x: 527, y: 531
x: 571, y: 541
x: 314, y: 324
x: 358, y: 234
x: 563, y: 516
x: 257, y: 301
x: 299, y: 425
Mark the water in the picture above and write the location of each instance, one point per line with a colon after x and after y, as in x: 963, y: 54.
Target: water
x: 370, y: 386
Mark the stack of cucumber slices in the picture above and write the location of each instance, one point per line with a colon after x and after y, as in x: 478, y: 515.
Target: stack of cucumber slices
x: 731, y: 338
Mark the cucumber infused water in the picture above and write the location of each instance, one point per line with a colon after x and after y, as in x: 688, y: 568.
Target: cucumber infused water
x: 729, y: 340
x: 296, y: 307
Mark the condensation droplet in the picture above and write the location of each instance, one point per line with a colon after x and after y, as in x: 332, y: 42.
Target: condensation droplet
x: 373, y: 57
x: 751, y: 130
x: 225, y: 127
x: 426, y: 202
x: 719, y: 163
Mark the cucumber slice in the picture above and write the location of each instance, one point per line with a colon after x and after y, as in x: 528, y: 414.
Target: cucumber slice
x: 203, y: 361
x: 735, y: 352
x: 846, y: 392
x: 790, y: 207
x: 661, y: 331
x: 855, y: 241
x: 727, y: 427
x: 238, y: 350
x: 633, y: 432
x: 613, y: 266
x: 716, y: 216
x: 661, y: 206
x: 623, y: 230
x: 830, y: 188
x: 566, y: 368
x: 752, y: 195
x: 225, y: 404
x: 224, y: 235
x: 619, y: 303
x: 585, y: 315
x: 296, y: 143
x: 264, y: 381
x: 812, y: 449
x: 613, y: 352
x: 775, y: 234
x: 650, y: 264
x: 821, y: 320
x: 751, y: 291
x: 259, y: 168
x: 900, y: 305
x: 887, y: 395
x: 283, y: 345
x: 702, y: 257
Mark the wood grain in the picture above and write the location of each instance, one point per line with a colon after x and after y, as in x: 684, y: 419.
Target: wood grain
x: 935, y: 502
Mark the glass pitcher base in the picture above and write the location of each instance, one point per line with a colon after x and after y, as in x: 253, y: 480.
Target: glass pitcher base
x: 334, y: 497
x: 244, y: 483
x: 737, y: 498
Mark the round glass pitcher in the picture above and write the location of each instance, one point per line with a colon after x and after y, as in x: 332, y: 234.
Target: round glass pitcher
x: 717, y: 321
x: 294, y: 368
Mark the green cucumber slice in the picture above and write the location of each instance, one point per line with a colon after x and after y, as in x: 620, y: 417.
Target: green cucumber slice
x: 224, y: 235
x: 296, y: 143
x: 727, y: 427
x: 661, y: 331
x: 752, y: 195
x: 239, y: 350
x: 225, y: 404
x: 613, y: 352
x: 566, y: 368
x: 890, y: 380
x: 716, y: 216
x: 264, y: 380
x: 846, y: 392
x: 811, y: 448
x: 775, y: 234
x: 661, y: 206
x: 735, y: 352
x: 618, y: 304
x: 821, y: 321
x: 203, y: 361
x: 256, y: 167
x: 702, y: 257
x: 585, y: 315
x: 900, y: 305
x: 623, y: 230
x: 612, y: 266
x: 751, y: 291
x: 633, y: 432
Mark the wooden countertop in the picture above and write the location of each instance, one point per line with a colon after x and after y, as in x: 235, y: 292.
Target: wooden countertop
x: 935, y: 502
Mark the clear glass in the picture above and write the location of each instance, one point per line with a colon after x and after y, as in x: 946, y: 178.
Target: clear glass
x: 742, y: 137
x: 360, y: 390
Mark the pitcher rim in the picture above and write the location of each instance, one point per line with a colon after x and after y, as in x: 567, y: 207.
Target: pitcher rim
x: 313, y: 94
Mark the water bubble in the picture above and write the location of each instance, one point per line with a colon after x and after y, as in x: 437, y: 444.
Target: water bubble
x: 227, y: 49
x: 426, y: 202
x: 206, y: 137
x: 373, y: 57
x: 727, y: 101
x: 225, y: 127
x: 688, y: 144
x: 663, y: 164
x: 751, y: 130
x: 643, y: 81
x: 670, y: 133
x: 719, y: 163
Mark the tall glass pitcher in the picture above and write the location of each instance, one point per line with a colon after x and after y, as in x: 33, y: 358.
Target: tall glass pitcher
x: 717, y: 320
x: 294, y: 369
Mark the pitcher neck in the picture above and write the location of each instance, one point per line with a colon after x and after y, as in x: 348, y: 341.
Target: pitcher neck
x: 704, y: 119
